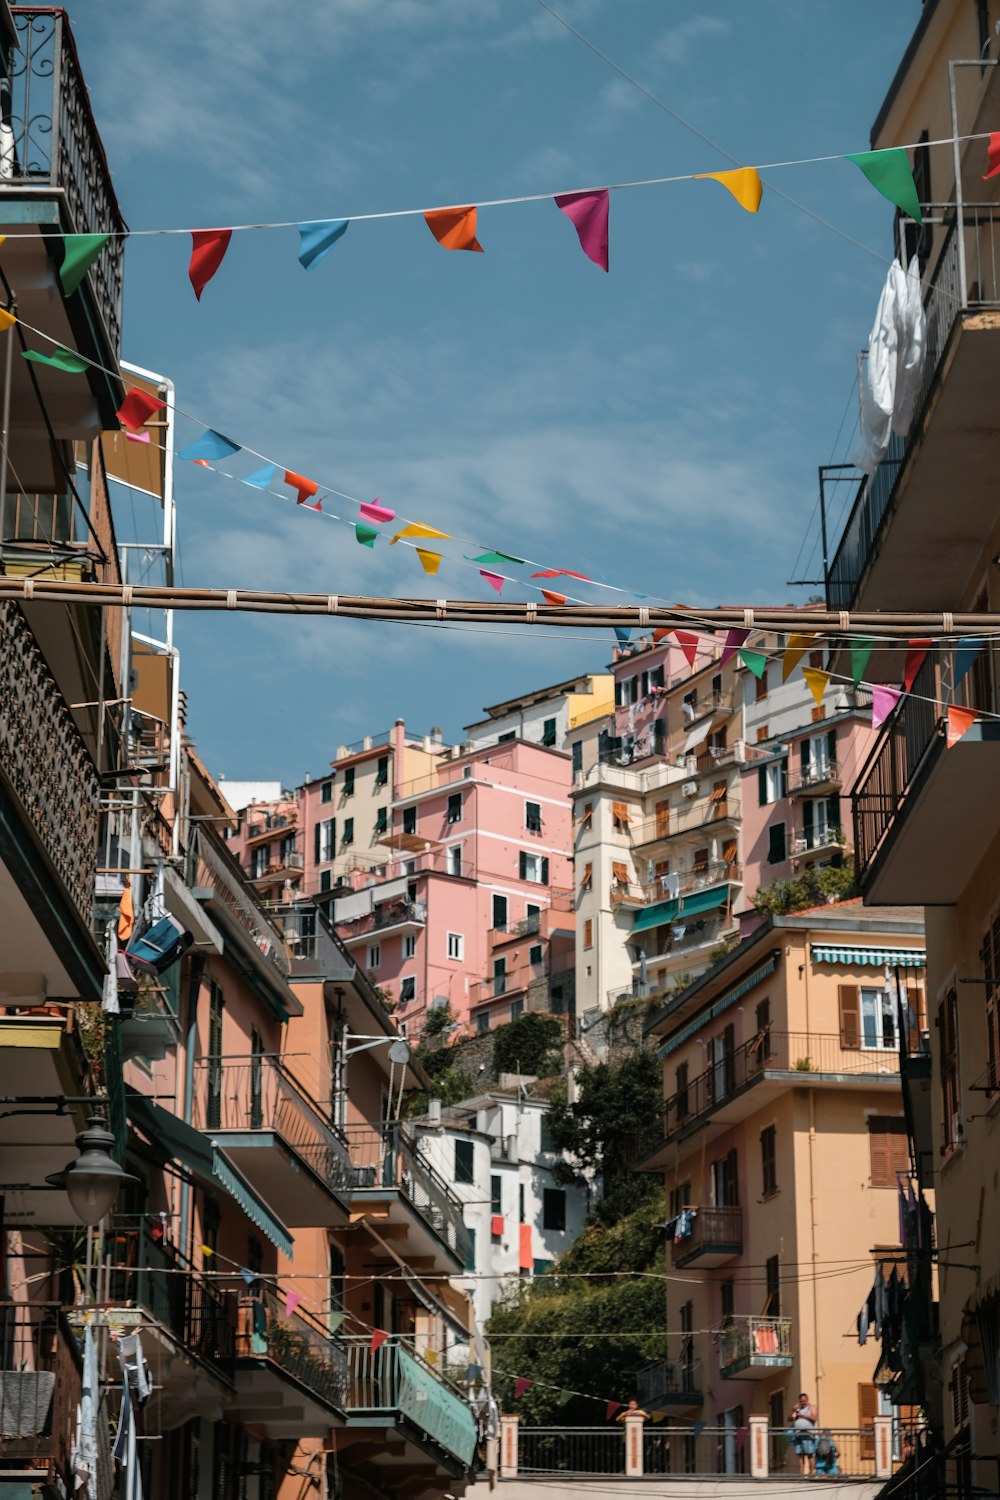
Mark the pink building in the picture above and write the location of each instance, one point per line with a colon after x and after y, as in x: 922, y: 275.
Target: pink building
x: 268, y: 845
x: 481, y: 858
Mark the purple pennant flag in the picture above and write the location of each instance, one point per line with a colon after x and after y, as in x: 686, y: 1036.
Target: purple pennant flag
x: 884, y: 700
x: 741, y: 1437
x: 589, y: 213
x: 734, y: 640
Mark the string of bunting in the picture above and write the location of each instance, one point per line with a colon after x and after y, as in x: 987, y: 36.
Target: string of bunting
x: 522, y: 1384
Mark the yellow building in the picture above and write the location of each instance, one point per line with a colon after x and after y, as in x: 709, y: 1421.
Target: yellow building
x: 784, y: 1134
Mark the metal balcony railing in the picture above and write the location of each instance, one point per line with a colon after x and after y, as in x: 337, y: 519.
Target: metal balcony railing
x: 676, y: 1381
x: 699, y: 878
x: 388, y: 914
x: 816, y: 773
x: 56, y: 145
x: 745, y: 1339
x: 713, y: 1229
x: 295, y: 1344
x: 211, y: 865
x: 913, y: 727
x: 698, y: 811
x: 394, y: 1379
x: 44, y: 761
x: 255, y: 1093
x: 386, y: 1157
x: 828, y: 836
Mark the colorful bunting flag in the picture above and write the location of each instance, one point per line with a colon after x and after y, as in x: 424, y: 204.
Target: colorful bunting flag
x: 734, y: 640
x: 689, y: 645
x: 262, y: 478
x: 495, y: 580
x: 366, y: 535
x: 589, y: 215
x: 561, y: 573
x: 80, y: 252
x: 430, y: 1356
x: 292, y: 1300
x: 379, y: 1337
x: 200, y: 463
x: 496, y: 557
x: 249, y: 1276
x: 889, y: 174
x: 918, y: 649
x: 454, y: 228
x: 418, y: 529
x: 697, y: 1427
x: 207, y: 1251
x: 992, y: 156
x: 137, y: 408
x: 334, y: 1321
x: 743, y: 182
x: 861, y: 650
x: 551, y: 598
x: 429, y: 561
x: 960, y: 721
x: 816, y: 682
x: 798, y: 645
x: 317, y: 238
x: 59, y: 359
x: 373, y: 511
x: 657, y: 1415
x: 521, y: 1384
x: 969, y: 648
x: 7, y: 319
x: 211, y: 444
x: 624, y: 636
x: 884, y: 700
x: 612, y: 1407
x: 143, y: 437
x: 754, y: 661
x: 208, y: 246
x: 126, y: 913
x: 304, y: 488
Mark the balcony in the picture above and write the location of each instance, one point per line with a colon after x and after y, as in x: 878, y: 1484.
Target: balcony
x: 41, y: 1378
x: 751, y: 1348
x: 698, y: 878
x: 923, y: 814
x: 926, y: 564
x: 716, y: 1235
x: 235, y: 903
x: 292, y: 1376
x: 813, y: 778
x: 275, y: 1135
x: 392, y: 1382
x: 389, y: 917
x: 260, y: 826
x: 387, y: 1168
x: 817, y: 843
x: 702, y: 811
x: 673, y: 1382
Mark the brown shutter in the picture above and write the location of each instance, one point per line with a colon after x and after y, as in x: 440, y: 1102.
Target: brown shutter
x: 588, y: 877
x: 619, y: 873
x: 729, y: 851
x: 918, y: 1004
x: 662, y: 814
x: 867, y: 1412
x: 849, y: 998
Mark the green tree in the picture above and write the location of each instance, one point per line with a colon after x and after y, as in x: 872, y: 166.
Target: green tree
x: 812, y: 888
x: 528, y: 1044
x: 615, y: 1119
x: 438, y: 1023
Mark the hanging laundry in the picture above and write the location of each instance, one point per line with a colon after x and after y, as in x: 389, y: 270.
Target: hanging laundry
x: 897, y: 351
x: 135, y: 1367
x: 84, y: 1454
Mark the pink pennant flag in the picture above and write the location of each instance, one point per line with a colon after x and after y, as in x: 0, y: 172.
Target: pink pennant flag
x: 137, y: 437
x: 521, y: 1384
x: 914, y: 660
x: 960, y: 721
x: 379, y: 1337
x: 688, y: 644
x: 376, y: 512
x: 292, y: 1300
x: 884, y: 700
x: 208, y: 246
x: 589, y: 213
x: 734, y: 640
x: 495, y: 580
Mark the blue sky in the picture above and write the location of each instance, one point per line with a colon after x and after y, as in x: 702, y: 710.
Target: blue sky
x: 660, y: 426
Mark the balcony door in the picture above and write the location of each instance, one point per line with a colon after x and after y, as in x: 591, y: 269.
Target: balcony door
x: 818, y: 756
x: 256, y: 1081
x: 213, y: 1103
x: 722, y: 1064
x: 820, y: 821
x: 725, y: 1181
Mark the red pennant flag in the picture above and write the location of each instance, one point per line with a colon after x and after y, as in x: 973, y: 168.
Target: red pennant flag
x: 379, y: 1337
x: 207, y: 250
x: 562, y: 573
x: 201, y: 462
x: 688, y: 644
x: 960, y: 721
x: 551, y: 598
x: 613, y: 1406
x: 993, y: 156
x: 305, y: 488
x: 659, y: 634
x: 454, y: 228
x: 137, y: 408
x: 521, y: 1384
x: 914, y: 661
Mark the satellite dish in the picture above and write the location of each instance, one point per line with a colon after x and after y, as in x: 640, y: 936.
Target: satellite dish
x: 399, y: 1052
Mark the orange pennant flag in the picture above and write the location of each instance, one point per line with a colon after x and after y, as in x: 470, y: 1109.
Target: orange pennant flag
x: 798, y: 645
x: 379, y: 1337
x: 454, y: 228
x: 744, y: 184
x: 816, y: 681
x: 551, y: 598
x: 960, y: 721
x: 429, y: 561
x: 304, y: 488
x: 126, y: 913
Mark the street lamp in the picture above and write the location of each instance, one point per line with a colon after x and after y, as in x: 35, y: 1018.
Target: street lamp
x: 93, y: 1179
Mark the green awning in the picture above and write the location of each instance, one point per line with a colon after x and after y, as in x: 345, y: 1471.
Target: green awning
x: 723, y: 1003
x: 680, y: 909
x: 208, y: 1161
x: 655, y: 916
x: 857, y: 957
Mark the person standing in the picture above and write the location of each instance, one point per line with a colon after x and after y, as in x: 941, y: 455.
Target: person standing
x: 804, y: 1420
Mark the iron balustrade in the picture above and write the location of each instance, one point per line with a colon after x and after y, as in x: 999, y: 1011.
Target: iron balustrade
x: 675, y: 1380
x: 912, y: 728
x: 386, y: 1157
x: 297, y: 1345
x: 393, y: 1378
x: 571, y: 1450
x: 256, y: 1094
x: 387, y: 914
x: 713, y: 1227
x: 701, y: 812
x: 212, y: 865
x: 45, y: 763
x: 698, y: 878
x: 745, y: 1338
x: 55, y: 144
x: 804, y: 778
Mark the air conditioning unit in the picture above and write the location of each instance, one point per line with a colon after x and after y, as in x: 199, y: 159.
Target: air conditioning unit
x: 689, y: 789
x: 294, y: 861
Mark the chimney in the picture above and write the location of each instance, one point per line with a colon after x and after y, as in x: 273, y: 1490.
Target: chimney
x: 434, y: 1111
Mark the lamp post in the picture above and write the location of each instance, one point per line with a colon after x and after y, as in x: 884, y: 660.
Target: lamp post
x: 93, y: 1180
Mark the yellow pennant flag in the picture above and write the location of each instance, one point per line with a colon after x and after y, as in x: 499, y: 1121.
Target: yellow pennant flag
x: 816, y: 681
x: 744, y: 183
x: 430, y: 1355
x: 657, y: 1416
x: 416, y: 529
x: 207, y: 1251
x: 798, y: 645
x: 429, y: 561
x: 7, y: 320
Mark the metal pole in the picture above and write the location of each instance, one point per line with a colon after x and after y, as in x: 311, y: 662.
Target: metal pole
x: 822, y: 523
x: 5, y: 425
x: 957, y: 158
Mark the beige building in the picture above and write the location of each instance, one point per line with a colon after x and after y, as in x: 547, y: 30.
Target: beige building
x: 784, y: 1141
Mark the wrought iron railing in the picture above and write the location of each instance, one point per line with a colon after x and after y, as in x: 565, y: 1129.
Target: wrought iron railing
x: 386, y: 914
x: 676, y: 1381
x: 386, y: 1157
x: 44, y: 761
x: 804, y: 778
x: 298, y: 1346
x: 698, y: 878
x: 913, y: 727
x: 746, y: 1338
x: 712, y: 1227
x: 56, y: 144
x: 211, y: 865
x: 700, y: 812
x: 394, y: 1379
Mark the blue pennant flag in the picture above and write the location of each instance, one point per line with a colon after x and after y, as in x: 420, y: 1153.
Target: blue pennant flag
x: 969, y: 647
x: 318, y: 238
x: 211, y: 444
x: 263, y: 477
x: 248, y: 1276
x: 624, y: 636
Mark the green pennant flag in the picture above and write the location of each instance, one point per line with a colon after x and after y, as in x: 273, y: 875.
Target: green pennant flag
x: 861, y: 650
x: 495, y: 557
x: 81, y: 250
x: 60, y: 359
x: 889, y: 174
x: 754, y: 661
x: 365, y: 534
x: 335, y: 1321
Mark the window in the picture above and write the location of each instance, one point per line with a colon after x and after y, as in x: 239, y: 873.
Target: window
x: 951, y: 1100
x: 619, y: 875
x: 700, y: 864
x: 763, y: 733
x: 545, y: 1140
x: 499, y: 976
x: 587, y: 879
x: 588, y: 933
x: 347, y: 837
x: 722, y: 1063
x: 727, y: 1298
x: 533, y: 817
x: 681, y: 1091
x: 470, y: 1251
x: 407, y: 989
x: 382, y: 820
x: 483, y: 1024
x: 680, y: 1197
x: 456, y: 945
x: 520, y: 1203
x: 689, y: 706
x: 716, y: 687
x: 768, y: 1159
x: 535, y: 954
x: 455, y: 859
x: 577, y: 753
x: 516, y: 1009
x: 554, y: 1208
x: 504, y: 739
x: 878, y: 1020
x: 534, y: 868
x: 661, y: 819
x: 464, y: 1162
x: 549, y: 732
x: 772, y: 1287
x: 374, y: 955
x: 725, y: 1181
x: 455, y: 807
x: 776, y: 1426
x: 991, y: 969
x: 382, y: 771
x: 587, y: 816
x: 531, y: 912
x: 410, y: 945
x: 958, y: 1385
x: 761, y: 687
x: 325, y: 841
x: 409, y: 820
x: 619, y: 817
x: 326, y: 880
x: 499, y: 912
x: 496, y: 1195
x: 326, y: 792
x: 258, y: 861
x: 888, y: 1149
x: 556, y: 999
x: 349, y: 782
x: 777, y: 849
x: 762, y: 1040
x: 772, y: 781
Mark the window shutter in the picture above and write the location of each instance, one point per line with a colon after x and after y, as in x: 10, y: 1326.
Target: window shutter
x: 316, y: 844
x: 545, y: 870
x: 808, y: 817
x: 880, y: 1154
x: 849, y: 1001
x: 776, y: 843
x: 831, y: 747
x: 523, y: 865
x: 762, y: 786
x: 662, y: 814
x: 833, y: 812
x: 804, y: 757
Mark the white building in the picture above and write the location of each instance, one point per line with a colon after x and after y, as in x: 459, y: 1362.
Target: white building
x: 495, y: 1152
x: 545, y: 716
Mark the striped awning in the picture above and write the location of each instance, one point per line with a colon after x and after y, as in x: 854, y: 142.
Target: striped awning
x: 723, y: 1003
x: 857, y: 957
x: 681, y: 908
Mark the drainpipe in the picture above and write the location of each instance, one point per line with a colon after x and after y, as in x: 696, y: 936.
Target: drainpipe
x: 187, y: 1109
x: 5, y: 424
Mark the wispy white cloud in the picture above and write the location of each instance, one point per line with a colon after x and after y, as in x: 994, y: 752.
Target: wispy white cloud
x: 676, y: 44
